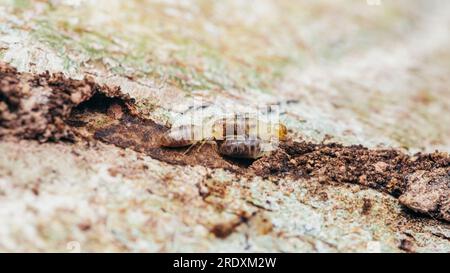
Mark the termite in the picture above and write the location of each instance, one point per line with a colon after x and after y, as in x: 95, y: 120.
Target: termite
x: 236, y: 136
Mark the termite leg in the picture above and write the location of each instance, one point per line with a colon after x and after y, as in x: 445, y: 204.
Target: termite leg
x: 190, y: 148
x: 203, y: 143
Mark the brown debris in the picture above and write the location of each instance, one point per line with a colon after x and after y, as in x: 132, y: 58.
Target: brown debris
x: 407, y: 245
x: 386, y: 170
x: 258, y: 222
x: 35, y: 106
x: 115, y: 111
x: 223, y: 230
x: 367, y: 206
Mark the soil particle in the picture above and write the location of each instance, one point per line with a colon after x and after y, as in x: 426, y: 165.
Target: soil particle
x: 115, y: 111
x: 407, y: 245
x: 367, y: 206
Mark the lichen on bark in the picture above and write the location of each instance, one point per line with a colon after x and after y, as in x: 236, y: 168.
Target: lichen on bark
x: 79, y: 160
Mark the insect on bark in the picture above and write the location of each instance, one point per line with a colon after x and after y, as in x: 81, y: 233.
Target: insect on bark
x: 236, y: 136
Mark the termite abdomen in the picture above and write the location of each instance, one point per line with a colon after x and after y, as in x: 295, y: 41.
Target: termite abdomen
x: 181, y: 136
x: 241, y: 148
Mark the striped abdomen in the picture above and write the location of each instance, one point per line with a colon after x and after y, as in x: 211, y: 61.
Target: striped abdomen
x: 242, y: 148
x: 247, y: 127
x: 233, y: 126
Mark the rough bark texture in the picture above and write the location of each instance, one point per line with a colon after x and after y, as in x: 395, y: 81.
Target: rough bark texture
x: 86, y: 92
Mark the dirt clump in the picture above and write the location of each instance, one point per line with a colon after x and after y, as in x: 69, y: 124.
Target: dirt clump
x: 386, y: 170
x: 428, y: 192
x: 35, y: 106
x: 407, y: 245
x: 367, y: 206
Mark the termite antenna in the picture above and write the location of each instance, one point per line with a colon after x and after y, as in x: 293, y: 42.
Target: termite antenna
x: 203, y: 142
x: 201, y: 145
x: 190, y: 148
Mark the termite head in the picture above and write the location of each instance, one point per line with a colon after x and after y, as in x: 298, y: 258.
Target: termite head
x: 280, y: 130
